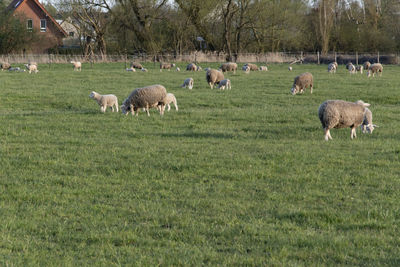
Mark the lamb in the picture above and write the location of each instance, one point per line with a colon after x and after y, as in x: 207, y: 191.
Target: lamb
x: 170, y: 98
x: 178, y: 69
x: 359, y: 68
x: 213, y: 77
x: 301, y: 82
x: 136, y: 65
x: 145, y: 97
x: 367, y: 64
x: 16, y: 69
x: 252, y: 67
x: 375, y: 68
x: 342, y: 114
x: 332, y: 68
x: 188, y: 83
x: 263, y: 68
x: 225, y: 83
x: 132, y: 69
x: 290, y: 68
x: 5, y: 66
x: 31, y: 67
x: 105, y: 101
x: 230, y: 66
x: 351, y: 68
x: 367, y: 125
x: 246, y: 69
x: 77, y: 65
x: 166, y: 66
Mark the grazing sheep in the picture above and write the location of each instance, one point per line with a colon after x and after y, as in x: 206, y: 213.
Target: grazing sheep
x: 77, y: 65
x: 246, y: 69
x: 145, y: 97
x: 31, y: 67
x: 188, y: 83
x: 290, y: 68
x: 193, y: 67
x: 136, y: 65
x: 263, y: 68
x: 178, y: 69
x: 359, y: 68
x: 230, y: 66
x: 132, y: 69
x: 367, y: 125
x: 367, y: 64
x: 213, y: 77
x: 301, y: 82
x: 342, y: 114
x: 5, y: 66
x: 224, y: 83
x: 375, y: 68
x: 144, y: 69
x: 253, y: 67
x: 170, y: 98
x: 332, y: 67
x: 105, y: 101
x: 166, y: 66
x: 351, y: 68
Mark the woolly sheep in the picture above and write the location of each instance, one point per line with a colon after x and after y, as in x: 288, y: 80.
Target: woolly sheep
x: 188, y: 83
x: 170, y: 98
x: 193, y: 67
x: 77, y: 65
x: 253, y: 67
x: 105, y: 101
x: 224, y: 83
x: 132, y: 69
x: 367, y: 125
x: 145, y: 97
x: 367, y: 64
x: 342, y: 114
x: 375, y: 68
x: 246, y: 69
x: 166, y: 66
x: 31, y: 67
x: 301, y: 82
x: 136, y: 65
x: 351, y: 68
x: 263, y: 68
x: 229, y: 66
x: 5, y: 66
x: 213, y: 77
x: 290, y: 68
x: 359, y: 68
x: 332, y: 68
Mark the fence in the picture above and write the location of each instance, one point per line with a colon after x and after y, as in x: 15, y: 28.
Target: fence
x: 200, y: 57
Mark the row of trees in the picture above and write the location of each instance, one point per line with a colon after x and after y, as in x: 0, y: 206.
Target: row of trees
x: 236, y: 26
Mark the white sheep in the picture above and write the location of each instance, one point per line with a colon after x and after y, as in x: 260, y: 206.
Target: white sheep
x: 342, y: 114
x: 188, y: 83
x: 301, y: 82
x: 5, y: 66
x: 145, y: 97
x: 332, y: 67
x: 77, y: 65
x: 105, y: 101
x: 214, y: 77
x: 351, y: 68
x: 375, y: 68
x: 263, y: 68
x: 225, y: 84
x: 359, y: 69
x: 170, y: 98
x: 246, y: 69
x: 167, y: 66
x: 31, y: 67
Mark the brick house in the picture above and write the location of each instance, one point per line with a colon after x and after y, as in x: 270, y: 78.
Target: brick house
x: 36, y: 17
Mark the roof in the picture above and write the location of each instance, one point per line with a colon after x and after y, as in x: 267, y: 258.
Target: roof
x: 16, y: 3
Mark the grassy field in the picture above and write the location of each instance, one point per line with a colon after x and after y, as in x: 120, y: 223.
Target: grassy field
x: 239, y: 177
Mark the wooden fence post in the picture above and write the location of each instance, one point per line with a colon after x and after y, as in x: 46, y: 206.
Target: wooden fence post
x: 318, y: 57
x: 378, y: 56
x: 356, y: 58
x: 335, y: 57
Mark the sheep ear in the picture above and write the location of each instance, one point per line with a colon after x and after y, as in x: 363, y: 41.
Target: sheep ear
x: 367, y: 104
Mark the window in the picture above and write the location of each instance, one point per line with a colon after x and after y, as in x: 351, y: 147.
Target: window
x: 71, y: 34
x: 29, y: 24
x: 42, y: 25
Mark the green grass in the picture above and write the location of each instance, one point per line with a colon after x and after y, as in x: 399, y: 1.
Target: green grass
x: 239, y: 177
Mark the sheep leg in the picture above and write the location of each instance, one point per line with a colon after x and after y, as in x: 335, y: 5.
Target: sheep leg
x: 353, y: 133
x: 116, y: 107
x: 112, y: 109
x: 169, y: 107
x: 327, y: 134
x: 311, y: 88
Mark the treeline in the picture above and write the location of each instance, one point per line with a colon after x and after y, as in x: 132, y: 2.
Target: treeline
x: 236, y: 26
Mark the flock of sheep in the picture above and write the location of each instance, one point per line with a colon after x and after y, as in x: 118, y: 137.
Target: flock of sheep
x: 332, y: 113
